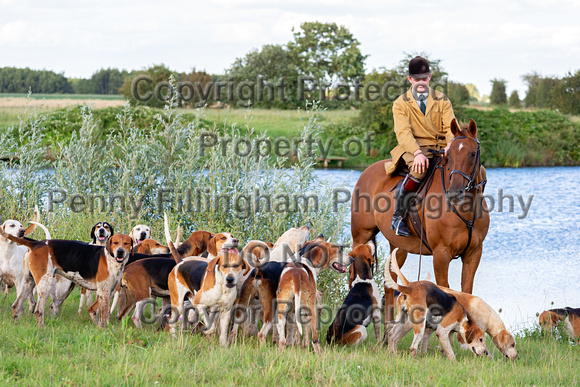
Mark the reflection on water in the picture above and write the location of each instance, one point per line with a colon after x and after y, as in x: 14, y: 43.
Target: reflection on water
x: 528, y: 263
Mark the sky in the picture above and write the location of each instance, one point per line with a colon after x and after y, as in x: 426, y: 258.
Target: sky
x: 476, y: 41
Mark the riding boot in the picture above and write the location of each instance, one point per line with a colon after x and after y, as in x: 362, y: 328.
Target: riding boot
x: 404, y: 193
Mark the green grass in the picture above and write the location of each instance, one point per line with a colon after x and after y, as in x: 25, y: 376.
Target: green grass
x: 276, y: 122
x: 71, y: 350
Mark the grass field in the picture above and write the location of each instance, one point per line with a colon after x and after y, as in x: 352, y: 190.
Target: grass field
x: 71, y: 350
x: 64, y: 96
x: 276, y: 122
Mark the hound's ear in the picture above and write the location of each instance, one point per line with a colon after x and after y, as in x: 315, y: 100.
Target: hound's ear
x: 211, y: 265
x: 93, y: 237
x: 131, y: 234
x: 113, y: 230
x: 455, y: 127
x: 108, y: 246
x: 211, y: 246
x: 472, y: 128
x: 351, y: 274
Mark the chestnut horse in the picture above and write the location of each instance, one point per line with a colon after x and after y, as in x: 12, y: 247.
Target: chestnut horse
x: 453, y: 202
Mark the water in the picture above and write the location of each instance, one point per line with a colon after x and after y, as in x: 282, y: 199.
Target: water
x: 529, y: 264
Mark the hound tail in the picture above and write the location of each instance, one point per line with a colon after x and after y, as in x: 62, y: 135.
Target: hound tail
x: 30, y: 243
x: 255, y: 260
x: 179, y: 235
x: 46, y: 232
x: 174, y: 253
x: 388, y: 279
x: 34, y: 222
x: 395, y: 268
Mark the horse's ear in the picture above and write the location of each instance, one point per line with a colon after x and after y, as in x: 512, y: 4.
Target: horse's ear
x: 455, y: 127
x: 472, y: 128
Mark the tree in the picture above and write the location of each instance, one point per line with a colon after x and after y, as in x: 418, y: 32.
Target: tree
x: 457, y: 93
x: 148, y: 91
x: 473, y: 92
x: 498, y: 94
x: 514, y: 100
x: 272, y: 65
x: 540, y: 89
x: 200, y: 81
x: 566, y: 94
x: 328, y: 53
x: 108, y: 81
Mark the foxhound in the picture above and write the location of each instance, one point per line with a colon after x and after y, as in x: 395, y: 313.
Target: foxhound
x: 297, y: 288
x: 139, y: 233
x: 488, y: 320
x: 151, y: 247
x: 430, y: 310
x: 147, y: 277
x: 210, y: 286
x: 362, y: 302
x: 569, y: 316
x: 259, y: 288
x: 100, y: 234
x: 92, y: 267
x: 13, y: 257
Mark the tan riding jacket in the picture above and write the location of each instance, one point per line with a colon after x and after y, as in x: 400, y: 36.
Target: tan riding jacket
x: 415, y: 130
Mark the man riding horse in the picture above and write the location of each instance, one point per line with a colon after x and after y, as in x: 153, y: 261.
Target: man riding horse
x: 422, y: 121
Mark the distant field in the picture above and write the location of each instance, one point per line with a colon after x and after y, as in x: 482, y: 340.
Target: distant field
x: 63, y: 96
x: 275, y: 122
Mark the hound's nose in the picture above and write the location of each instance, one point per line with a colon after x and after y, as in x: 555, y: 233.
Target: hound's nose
x: 21, y: 233
x: 235, y: 241
x: 120, y: 253
x: 230, y: 282
x: 143, y: 234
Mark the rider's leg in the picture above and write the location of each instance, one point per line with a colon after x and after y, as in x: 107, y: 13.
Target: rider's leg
x: 404, y: 195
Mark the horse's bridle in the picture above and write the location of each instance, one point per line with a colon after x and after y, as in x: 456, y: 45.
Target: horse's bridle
x: 470, y: 179
x: 469, y: 187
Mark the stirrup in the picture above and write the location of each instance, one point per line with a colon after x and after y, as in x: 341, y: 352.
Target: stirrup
x: 396, y: 225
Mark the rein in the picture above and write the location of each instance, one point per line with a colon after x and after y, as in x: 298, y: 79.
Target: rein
x: 468, y: 188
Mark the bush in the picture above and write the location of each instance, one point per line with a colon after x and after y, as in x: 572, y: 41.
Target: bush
x: 139, y: 172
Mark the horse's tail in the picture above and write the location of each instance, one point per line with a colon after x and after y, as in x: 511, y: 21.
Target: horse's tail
x: 389, y: 280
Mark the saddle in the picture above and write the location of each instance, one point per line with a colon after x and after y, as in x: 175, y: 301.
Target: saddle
x: 424, y: 186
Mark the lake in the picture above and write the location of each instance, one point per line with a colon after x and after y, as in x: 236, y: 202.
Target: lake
x: 529, y: 264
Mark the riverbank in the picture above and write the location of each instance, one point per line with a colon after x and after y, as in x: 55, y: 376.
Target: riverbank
x: 508, y: 138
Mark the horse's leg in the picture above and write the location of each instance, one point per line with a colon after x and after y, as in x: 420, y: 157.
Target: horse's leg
x: 470, y: 263
x: 362, y: 233
x: 441, y: 261
x: 390, y: 294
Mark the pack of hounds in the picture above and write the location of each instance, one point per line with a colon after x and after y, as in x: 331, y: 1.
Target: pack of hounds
x: 208, y: 284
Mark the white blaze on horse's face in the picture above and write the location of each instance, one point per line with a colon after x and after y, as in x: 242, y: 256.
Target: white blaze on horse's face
x: 460, y: 146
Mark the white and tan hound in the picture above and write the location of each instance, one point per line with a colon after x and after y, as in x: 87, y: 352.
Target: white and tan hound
x: 297, y: 288
x: 12, y: 257
x: 92, y: 267
x: 139, y: 233
x: 430, y: 310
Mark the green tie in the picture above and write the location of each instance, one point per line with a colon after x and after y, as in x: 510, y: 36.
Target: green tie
x: 422, y: 106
